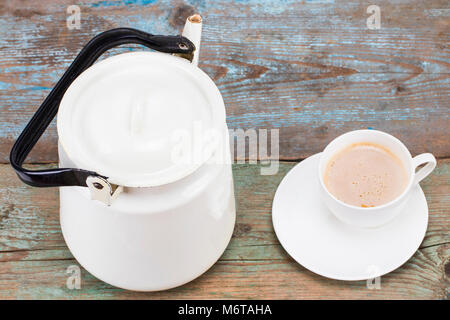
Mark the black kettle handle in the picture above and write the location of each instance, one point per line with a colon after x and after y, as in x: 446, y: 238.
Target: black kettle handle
x: 47, y: 111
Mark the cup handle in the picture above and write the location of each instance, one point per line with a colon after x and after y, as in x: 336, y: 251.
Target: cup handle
x: 423, y: 158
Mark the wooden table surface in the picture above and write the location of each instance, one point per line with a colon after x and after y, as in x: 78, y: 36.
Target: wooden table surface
x: 309, y: 68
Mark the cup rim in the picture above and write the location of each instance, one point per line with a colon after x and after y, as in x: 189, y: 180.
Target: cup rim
x: 376, y: 208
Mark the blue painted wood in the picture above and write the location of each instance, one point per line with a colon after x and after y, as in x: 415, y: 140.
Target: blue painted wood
x: 311, y: 69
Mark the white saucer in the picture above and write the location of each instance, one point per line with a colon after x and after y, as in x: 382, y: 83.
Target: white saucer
x: 320, y: 242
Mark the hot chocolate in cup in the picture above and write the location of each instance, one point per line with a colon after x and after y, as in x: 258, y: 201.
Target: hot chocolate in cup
x: 366, y: 176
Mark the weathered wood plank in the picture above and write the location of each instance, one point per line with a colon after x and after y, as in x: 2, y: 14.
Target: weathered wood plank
x: 34, y: 258
x: 421, y: 278
x: 311, y: 69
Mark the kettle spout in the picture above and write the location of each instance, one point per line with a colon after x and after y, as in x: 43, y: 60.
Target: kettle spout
x: 193, y: 31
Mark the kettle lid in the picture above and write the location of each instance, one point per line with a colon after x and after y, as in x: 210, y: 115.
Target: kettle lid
x: 127, y: 116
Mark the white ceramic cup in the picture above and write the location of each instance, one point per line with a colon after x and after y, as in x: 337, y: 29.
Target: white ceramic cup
x: 379, y: 215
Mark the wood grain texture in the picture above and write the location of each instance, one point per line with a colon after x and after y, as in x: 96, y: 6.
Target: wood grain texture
x: 34, y: 257
x: 310, y: 68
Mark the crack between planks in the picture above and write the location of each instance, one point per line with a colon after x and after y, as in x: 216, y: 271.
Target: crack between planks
x: 301, y: 159
x: 259, y: 161
x: 253, y: 260
x: 41, y: 260
x: 434, y: 245
x: 32, y: 249
x: 239, y: 260
x: 257, y: 245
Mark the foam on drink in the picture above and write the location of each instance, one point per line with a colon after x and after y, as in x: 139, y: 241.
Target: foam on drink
x: 365, y: 175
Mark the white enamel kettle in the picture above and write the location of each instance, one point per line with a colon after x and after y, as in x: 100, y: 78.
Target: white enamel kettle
x: 139, y: 210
